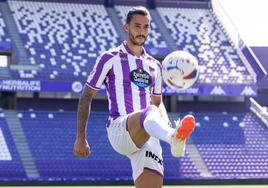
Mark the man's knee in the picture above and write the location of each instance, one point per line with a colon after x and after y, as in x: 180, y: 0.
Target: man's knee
x: 147, y: 111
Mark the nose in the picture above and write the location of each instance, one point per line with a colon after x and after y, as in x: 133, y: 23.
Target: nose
x: 142, y: 31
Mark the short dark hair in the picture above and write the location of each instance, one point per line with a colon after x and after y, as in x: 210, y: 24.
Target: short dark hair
x: 139, y: 10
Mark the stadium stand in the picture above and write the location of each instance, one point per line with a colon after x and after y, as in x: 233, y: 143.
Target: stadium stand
x: 10, y: 162
x: 65, y: 43
x: 235, y: 144
x: 51, y: 135
x: 232, y: 145
x: 4, y: 37
x: 197, y: 31
x: 63, y: 38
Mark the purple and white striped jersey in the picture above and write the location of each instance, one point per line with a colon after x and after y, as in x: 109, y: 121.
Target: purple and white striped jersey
x: 130, y: 81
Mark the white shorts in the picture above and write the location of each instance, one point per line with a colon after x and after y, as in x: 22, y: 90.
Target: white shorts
x: 147, y: 157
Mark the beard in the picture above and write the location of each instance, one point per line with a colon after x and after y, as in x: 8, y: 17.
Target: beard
x: 134, y: 42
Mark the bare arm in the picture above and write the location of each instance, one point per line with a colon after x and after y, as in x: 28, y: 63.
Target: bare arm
x: 157, y: 100
x: 84, y: 107
x: 81, y: 147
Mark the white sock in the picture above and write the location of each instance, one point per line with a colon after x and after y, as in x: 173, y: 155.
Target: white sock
x: 155, y: 126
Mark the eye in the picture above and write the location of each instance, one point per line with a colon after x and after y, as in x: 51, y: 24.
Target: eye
x: 146, y: 27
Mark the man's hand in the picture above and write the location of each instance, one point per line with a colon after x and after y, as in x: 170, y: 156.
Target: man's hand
x: 81, y: 148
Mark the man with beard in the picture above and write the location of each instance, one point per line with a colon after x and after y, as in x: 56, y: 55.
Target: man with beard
x: 138, y: 118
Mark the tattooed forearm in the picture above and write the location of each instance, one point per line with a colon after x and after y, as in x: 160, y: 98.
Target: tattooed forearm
x: 84, y: 106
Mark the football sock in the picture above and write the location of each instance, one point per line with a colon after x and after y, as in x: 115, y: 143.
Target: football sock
x: 155, y: 126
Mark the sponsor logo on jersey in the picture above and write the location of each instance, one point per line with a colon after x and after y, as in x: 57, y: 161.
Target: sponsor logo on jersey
x: 140, y: 78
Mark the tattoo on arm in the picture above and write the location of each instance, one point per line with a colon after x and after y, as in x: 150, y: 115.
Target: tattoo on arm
x: 84, y: 107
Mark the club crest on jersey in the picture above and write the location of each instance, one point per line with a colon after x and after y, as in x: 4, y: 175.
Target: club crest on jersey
x: 140, y: 78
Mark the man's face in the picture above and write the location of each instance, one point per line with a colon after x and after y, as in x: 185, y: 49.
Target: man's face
x: 138, y: 29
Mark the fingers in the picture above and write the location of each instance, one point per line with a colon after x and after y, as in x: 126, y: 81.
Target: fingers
x: 82, y: 151
x: 87, y: 152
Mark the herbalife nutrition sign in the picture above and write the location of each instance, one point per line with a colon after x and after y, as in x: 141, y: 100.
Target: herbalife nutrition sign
x: 20, y: 85
x: 40, y: 86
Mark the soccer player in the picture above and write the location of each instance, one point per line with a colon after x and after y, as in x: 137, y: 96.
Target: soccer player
x: 138, y: 118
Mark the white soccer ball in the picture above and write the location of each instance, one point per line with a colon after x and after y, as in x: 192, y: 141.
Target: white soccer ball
x: 180, y: 70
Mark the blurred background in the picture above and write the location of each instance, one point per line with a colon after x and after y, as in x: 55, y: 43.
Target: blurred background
x: 48, y: 47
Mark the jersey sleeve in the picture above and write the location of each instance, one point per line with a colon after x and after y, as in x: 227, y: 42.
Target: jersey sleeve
x: 99, y: 72
x: 157, y: 89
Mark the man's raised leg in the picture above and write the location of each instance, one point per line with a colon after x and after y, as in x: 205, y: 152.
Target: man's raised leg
x: 143, y: 124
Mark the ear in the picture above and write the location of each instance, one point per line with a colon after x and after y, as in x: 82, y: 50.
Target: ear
x: 126, y: 27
